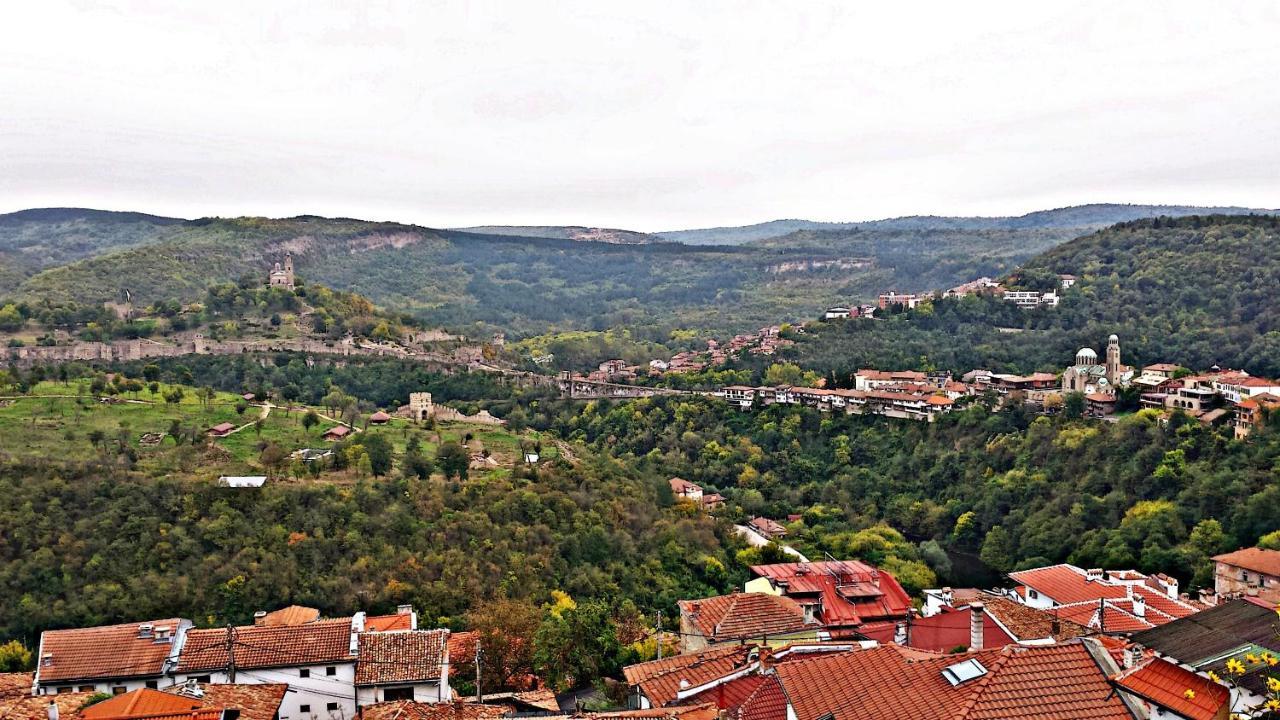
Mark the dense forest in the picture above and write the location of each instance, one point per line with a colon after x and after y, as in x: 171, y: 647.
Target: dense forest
x: 1017, y: 489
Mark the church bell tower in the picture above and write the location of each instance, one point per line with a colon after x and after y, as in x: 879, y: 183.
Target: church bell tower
x: 1113, y: 361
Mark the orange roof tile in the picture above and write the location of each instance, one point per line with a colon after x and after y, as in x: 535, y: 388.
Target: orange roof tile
x: 744, y: 616
x: 109, y: 651
x: 141, y: 703
x: 411, y: 710
x: 1253, y: 558
x: 461, y: 648
x: 388, y: 623
x: 1063, y: 682
x: 36, y: 707
x: 291, y: 615
x: 18, y: 683
x: 1066, y: 584
x: 399, y: 657
x: 323, y: 641
x: 751, y: 697
x: 662, y: 680
x: 1166, y: 685
x: 255, y: 702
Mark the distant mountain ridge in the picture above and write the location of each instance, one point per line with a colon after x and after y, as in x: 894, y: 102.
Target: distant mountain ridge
x: 1086, y: 217
x: 567, y: 232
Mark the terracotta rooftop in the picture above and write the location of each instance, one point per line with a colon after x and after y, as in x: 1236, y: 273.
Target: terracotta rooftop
x: 323, y: 641
x: 1166, y: 685
x: 411, y: 710
x: 143, y: 703
x: 751, y: 697
x: 1066, y: 584
x: 388, y: 623
x: 36, y: 707
x: 1256, y: 559
x: 942, y: 632
x: 680, y: 485
x: 661, y: 680
x: 291, y: 615
x: 705, y: 711
x: 109, y: 651
x: 400, y: 657
x: 461, y: 648
x: 744, y: 616
x: 255, y: 702
x: 1063, y: 682
x: 852, y: 592
x: 18, y: 683
x: 1206, y: 639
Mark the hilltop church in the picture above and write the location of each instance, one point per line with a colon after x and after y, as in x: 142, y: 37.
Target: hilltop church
x: 282, y: 277
x: 1088, y: 377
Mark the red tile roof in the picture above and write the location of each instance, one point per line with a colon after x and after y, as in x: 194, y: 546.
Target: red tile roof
x: 751, y: 697
x: 744, y: 616
x: 14, y: 684
x: 109, y: 651
x: 661, y: 680
x: 36, y: 707
x: 141, y: 703
x: 291, y: 615
x: 388, y: 623
x: 255, y: 702
x: 1166, y: 685
x: 681, y: 486
x: 1254, y: 558
x: 851, y: 592
x: 942, y: 632
x: 705, y: 711
x: 323, y: 641
x: 461, y: 648
x: 410, y: 710
x: 1063, y: 682
x: 400, y: 657
x: 1066, y: 584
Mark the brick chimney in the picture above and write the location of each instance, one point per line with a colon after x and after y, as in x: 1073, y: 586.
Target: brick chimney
x: 259, y: 616
x: 977, y: 615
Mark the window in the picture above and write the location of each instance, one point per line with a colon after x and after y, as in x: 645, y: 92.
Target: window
x: 153, y: 684
x: 331, y: 670
x: 1032, y: 594
x: 399, y: 693
x: 203, y: 678
x: 331, y: 707
x: 85, y: 688
x: 62, y: 690
x: 304, y: 708
x: 119, y: 690
x: 304, y: 672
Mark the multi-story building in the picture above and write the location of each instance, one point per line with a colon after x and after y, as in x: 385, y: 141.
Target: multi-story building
x: 1251, y: 572
x: 109, y: 659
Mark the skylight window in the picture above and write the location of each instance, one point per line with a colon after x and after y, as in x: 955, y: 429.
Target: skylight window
x: 963, y: 671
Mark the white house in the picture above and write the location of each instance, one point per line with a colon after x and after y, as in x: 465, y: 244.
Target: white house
x: 109, y: 659
x: 316, y: 658
x: 242, y: 481
x: 403, y: 665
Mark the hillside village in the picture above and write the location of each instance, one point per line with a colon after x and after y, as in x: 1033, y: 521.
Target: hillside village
x: 1058, y: 641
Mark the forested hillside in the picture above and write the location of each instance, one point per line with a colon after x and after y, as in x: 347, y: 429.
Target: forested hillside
x: 1016, y: 489
x: 461, y: 279
x: 1195, y: 291
x: 32, y: 240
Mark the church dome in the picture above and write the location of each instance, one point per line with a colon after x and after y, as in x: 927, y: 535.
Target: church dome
x: 1113, y: 339
x: 1086, y: 356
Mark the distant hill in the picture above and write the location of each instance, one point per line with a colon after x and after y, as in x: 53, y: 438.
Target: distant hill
x: 32, y: 240
x: 1197, y: 291
x: 567, y: 232
x: 1080, y: 217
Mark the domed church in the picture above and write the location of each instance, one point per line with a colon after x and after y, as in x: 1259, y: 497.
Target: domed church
x: 1087, y: 376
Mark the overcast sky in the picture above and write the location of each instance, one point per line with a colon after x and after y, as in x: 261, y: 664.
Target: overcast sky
x: 642, y: 115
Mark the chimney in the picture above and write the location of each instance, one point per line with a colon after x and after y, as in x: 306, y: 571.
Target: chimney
x: 948, y: 597
x: 404, y: 609
x: 977, y: 613
x: 259, y: 616
x: 1132, y: 656
x: 900, y: 632
x: 1139, y: 605
x: 1093, y: 574
x: 1207, y: 597
x: 53, y: 710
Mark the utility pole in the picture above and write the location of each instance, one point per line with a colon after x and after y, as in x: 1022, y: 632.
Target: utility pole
x: 657, y: 634
x: 231, y: 654
x: 479, y: 694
